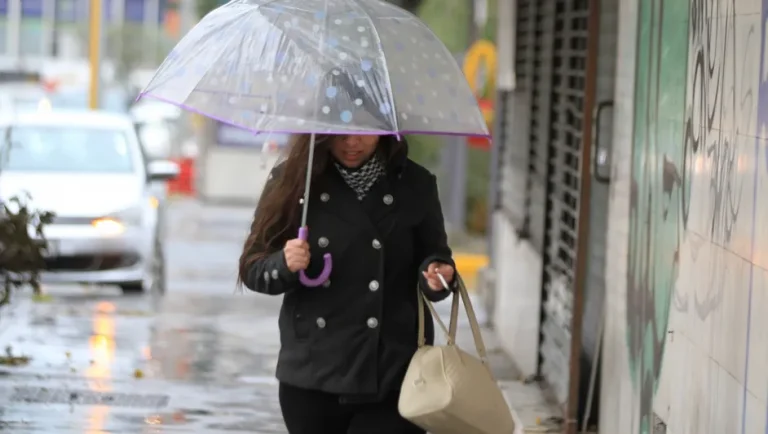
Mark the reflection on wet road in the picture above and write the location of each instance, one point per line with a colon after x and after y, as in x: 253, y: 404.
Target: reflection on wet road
x: 198, y: 360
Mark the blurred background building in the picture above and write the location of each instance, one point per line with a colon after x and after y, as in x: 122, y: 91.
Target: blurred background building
x: 53, y: 36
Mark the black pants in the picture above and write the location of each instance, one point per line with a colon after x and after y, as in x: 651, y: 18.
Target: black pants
x: 314, y: 412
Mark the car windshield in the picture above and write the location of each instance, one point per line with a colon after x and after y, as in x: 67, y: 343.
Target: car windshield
x: 65, y: 149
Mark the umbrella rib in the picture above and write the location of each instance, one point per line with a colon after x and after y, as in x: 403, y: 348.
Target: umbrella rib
x: 256, y: 9
x: 384, y: 59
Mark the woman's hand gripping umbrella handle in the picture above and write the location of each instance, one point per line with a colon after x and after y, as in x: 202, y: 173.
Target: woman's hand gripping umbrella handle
x: 327, y: 265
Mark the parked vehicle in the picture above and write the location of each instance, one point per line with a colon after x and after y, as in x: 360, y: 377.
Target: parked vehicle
x: 89, y: 168
x: 157, y: 124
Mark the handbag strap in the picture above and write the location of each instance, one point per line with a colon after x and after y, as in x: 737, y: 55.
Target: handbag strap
x: 450, y: 331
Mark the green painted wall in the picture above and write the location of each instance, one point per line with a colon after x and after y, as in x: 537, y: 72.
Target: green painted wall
x: 657, y: 156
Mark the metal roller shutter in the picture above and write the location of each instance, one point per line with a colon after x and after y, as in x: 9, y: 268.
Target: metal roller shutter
x: 569, y: 60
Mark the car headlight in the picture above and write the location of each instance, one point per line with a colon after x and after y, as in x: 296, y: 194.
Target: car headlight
x: 115, y: 224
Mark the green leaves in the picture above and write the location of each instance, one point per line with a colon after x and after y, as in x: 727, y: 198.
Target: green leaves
x: 22, y: 245
x: 205, y: 6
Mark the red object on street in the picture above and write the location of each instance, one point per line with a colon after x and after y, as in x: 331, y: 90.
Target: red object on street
x: 480, y: 143
x: 184, y: 184
x: 486, y: 107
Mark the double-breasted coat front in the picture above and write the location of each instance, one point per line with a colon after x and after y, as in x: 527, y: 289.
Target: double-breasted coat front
x: 355, y: 335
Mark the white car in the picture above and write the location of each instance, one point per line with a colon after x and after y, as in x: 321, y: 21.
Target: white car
x: 89, y: 169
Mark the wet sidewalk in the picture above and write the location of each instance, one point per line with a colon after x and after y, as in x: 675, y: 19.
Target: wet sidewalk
x: 199, y: 360
x: 109, y: 364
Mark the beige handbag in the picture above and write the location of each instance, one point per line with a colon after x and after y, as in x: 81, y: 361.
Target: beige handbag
x: 448, y: 391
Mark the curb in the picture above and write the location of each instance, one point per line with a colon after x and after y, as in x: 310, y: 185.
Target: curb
x: 530, y: 409
x: 469, y: 264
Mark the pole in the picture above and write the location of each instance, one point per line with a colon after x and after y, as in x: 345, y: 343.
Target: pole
x: 472, y: 28
x: 151, y: 28
x: 187, y: 16
x: 582, y: 243
x: 459, y: 178
x: 13, y: 31
x: 94, y: 52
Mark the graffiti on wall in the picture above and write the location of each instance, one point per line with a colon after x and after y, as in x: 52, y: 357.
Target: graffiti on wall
x: 718, y: 110
x: 691, y: 104
x: 711, y: 127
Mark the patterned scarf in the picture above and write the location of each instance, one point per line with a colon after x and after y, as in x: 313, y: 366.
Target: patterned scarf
x: 362, y: 178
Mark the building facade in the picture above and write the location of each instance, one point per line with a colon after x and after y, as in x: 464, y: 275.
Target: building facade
x: 56, y: 28
x: 631, y: 182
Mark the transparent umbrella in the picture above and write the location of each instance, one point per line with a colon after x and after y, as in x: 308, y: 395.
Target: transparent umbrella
x: 319, y: 67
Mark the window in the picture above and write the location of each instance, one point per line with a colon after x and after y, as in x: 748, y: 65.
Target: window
x: 65, y: 148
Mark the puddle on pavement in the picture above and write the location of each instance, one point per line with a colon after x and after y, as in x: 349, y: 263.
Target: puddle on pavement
x: 195, y: 412
x: 231, y: 405
x: 161, y: 419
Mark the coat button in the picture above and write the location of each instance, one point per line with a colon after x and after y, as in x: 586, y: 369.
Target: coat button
x: 321, y: 323
x: 374, y: 285
x: 322, y: 242
x: 274, y: 274
x: 376, y: 244
x: 327, y: 283
x: 266, y: 276
x: 372, y: 322
x: 388, y: 199
x: 325, y: 197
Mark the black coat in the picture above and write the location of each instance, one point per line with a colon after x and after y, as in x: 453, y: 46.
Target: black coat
x: 356, y: 335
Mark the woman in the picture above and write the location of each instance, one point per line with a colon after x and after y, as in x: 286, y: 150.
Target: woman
x: 345, y: 345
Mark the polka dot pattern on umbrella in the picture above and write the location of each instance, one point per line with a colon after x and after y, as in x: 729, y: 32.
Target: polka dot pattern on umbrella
x: 319, y: 65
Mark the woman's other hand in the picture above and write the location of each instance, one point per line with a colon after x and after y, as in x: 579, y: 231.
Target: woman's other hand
x: 296, y: 253
x: 433, y: 270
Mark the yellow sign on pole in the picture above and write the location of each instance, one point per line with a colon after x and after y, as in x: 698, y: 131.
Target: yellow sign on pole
x: 94, y: 52
x: 483, y: 53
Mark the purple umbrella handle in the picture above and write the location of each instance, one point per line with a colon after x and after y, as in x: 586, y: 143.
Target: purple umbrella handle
x: 328, y: 265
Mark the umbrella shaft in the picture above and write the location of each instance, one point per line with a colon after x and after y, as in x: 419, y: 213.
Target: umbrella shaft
x: 308, y: 181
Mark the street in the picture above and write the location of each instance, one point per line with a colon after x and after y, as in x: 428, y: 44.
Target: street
x: 199, y: 359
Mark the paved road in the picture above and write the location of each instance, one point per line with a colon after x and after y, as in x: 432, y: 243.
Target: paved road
x: 199, y: 360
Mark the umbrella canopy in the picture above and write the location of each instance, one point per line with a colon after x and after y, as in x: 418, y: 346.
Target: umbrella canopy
x: 322, y: 66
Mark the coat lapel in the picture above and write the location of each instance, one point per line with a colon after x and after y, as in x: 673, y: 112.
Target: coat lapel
x: 382, y: 204
x: 330, y: 194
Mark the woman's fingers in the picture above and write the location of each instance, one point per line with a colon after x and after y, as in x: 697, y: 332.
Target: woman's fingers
x: 432, y: 281
x: 297, y: 254
x: 444, y: 270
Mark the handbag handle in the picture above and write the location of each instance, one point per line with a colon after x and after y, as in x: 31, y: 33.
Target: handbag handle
x: 450, y: 331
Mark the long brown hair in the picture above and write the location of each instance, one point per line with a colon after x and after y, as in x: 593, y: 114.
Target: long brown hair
x: 276, y: 219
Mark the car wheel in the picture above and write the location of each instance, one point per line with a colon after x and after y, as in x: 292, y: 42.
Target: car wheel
x: 155, y: 282
x: 159, y: 280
